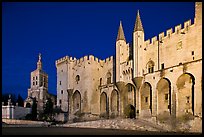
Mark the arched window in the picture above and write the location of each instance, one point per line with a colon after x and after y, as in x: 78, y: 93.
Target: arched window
x: 108, y: 76
x: 150, y: 66
x: 100, y: 81
x: 77, y: 78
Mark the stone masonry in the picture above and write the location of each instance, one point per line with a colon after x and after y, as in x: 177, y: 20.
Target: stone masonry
x: 161, y: 79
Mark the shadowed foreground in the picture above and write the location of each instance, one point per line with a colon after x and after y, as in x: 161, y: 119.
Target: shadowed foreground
x: 80, y: 131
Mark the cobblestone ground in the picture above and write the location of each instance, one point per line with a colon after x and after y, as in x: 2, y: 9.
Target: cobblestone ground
x: 127, y: 124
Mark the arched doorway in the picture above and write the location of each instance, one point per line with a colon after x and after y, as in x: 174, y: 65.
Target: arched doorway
x: 164, y: 96
x: 185, y: 95
x: 131, y: 96
x: 103, y: 105
x: 114, y: 103
x: 146, y: 99
x: 76, y: 101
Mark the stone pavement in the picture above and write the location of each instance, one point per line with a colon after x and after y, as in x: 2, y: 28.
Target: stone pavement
x: 127, y: 124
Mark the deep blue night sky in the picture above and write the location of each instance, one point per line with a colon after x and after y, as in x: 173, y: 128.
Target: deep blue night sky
x: 74, y: 29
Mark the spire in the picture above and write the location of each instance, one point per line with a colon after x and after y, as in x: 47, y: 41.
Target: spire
x: 138, y: 23
x: 39, y: 63
x: 121, y: 35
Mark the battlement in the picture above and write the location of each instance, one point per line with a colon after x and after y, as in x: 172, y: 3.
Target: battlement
x: 109, y: 59
x: 61, y: 60
x: 178, y: 30
x: 169, y: 32
x: 161, y: 36
x: 90, y: 59
x: 153, y: 40
x: 187, y: 24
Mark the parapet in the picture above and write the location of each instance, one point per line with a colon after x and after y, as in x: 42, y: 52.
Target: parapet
x: 147, y: 42
x: 109, y: 59
x: 178, y: 29
x: 187, y: 24
x: 61, y: 60
x: 153, y: 40
x: 169, y: 32
x: 161, y: 36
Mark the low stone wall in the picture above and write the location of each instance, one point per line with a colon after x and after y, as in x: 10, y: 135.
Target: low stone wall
x: 23, y: 122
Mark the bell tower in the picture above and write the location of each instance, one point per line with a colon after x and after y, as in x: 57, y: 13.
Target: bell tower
x: 38, y: 85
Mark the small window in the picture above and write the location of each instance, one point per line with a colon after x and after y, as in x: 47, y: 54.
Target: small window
x: 150, y: 66
x: 149, y: 70
x: 77, y: 78
x: 33, y: 78
x: 108, y: 75
x: 192, y: 53
x: 187, y: 99
x: 162, y: 66
x: 61, y: 91
x: 108, y: 80
x: 166, y: 97
x: 36, y: 78
x: 100, y: 81
x: 60, y: 82
x: 62, y: 70
x: 33, y: 83
x: 146, y: 99
x: 60, y: 101
x: 36, y: 82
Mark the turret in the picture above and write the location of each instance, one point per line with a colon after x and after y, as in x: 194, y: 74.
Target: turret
x: 120, y: 47
x: 138, y: 40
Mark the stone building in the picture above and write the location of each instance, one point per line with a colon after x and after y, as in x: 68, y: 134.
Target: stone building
x: 38, y: 88
x: 10, y: 111
x: 158, y: 77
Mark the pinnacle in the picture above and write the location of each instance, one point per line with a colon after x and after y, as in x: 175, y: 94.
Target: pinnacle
x: 121, y: 35
x: 138, y: 23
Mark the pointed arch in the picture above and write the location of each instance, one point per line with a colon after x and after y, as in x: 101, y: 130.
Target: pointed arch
x: 185, y: 86
x: 76, y: 101
x: 114, y: 102
x: 164, y: 96
x: 131, y: 94
x: 146, y: 98
x: 150, y: 66
x: 103, y: 103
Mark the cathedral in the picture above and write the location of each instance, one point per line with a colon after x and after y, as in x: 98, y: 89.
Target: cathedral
x: 157, y: 77
x: 38, y: 88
